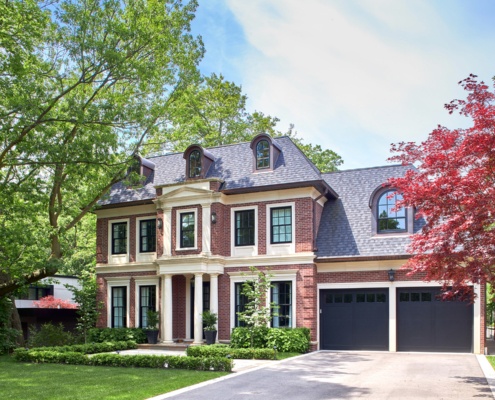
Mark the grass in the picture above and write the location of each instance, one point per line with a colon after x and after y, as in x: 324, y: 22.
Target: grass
x: 491, y: 360
x: 283, y: 356
x: 53, y: 381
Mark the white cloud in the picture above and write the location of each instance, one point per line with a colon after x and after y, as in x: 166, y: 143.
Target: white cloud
x: 353, y: 76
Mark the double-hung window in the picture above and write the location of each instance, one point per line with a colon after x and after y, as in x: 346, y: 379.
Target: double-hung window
x: 244, y: 228
x: 147, y: 302
x: 119, y: 238
x: 119, y: 307
x: 187, y: 230
x: 281, y: 225
x: 147, y: 236
x: 281, y: 297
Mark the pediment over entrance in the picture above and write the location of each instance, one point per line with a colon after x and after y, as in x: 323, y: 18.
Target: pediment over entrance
x: 190, y: 194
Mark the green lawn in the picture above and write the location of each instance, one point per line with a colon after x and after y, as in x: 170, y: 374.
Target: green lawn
x: 53, y: 381
x: 491, y: 360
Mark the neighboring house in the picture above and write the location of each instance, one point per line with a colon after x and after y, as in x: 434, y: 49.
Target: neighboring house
x: 183, y: 242
x: 33, y: 316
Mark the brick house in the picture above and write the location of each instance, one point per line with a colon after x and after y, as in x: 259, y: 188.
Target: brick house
x: 183, y: 242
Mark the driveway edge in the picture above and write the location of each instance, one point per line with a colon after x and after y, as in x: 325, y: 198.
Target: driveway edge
x: 222, y: 378
x: 488, y: 371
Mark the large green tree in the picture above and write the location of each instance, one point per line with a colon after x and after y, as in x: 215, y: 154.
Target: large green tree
x: 212, y: 112
x: 82, y: 84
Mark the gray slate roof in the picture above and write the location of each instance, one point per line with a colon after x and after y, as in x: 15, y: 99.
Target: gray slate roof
x: 233, y: 164
x: 346, y: 227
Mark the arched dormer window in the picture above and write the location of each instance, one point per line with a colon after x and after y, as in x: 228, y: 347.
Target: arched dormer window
x: 390, y: 219
x: 194, y: 164
x: 265, y: 152
x: 198, y: 162
x: 387, y: 218
x: 262, y: 154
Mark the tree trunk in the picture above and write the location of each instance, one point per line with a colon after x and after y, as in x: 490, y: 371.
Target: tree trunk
x: 15, y: 322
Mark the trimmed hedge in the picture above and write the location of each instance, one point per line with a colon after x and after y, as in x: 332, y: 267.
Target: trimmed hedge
x: 91, y: 348
x: 116, y: 360
x: 100, y: 335
x: 294, y: 340
x: 227, y: 351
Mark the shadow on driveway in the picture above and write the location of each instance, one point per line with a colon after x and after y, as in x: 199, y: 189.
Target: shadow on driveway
x: 353, y: 375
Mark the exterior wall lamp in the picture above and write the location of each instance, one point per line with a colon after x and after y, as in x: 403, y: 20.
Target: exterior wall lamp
x: 391, y: 275
x: 159, y: 223
x: 213, y: 217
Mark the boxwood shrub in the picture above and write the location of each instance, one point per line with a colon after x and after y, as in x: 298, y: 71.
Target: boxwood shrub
x: 227, y: 351
x: 92, y: 348
x: 100, y: 335
x: 295, y: 340
x: 116, y: 360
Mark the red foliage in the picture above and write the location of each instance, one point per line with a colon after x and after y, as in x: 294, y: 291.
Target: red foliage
x: 453, y: 188
x: 52, y: 302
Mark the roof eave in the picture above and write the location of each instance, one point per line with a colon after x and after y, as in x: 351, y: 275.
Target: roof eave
x: 362, y: 258
x: 320, y: 185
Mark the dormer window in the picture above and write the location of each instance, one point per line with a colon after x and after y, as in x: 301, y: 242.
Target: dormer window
x: 387, y: 218
x: 262, y: 154
x: 195, y: 164
x: 198, y: 162
x: 265, y: 153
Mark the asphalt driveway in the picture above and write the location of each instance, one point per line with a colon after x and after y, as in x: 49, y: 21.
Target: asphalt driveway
x: 352, y: 375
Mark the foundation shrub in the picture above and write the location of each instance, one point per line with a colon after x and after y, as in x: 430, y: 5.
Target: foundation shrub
x: 294, y: 340
x: 99, y: 335
x: 226, y: 351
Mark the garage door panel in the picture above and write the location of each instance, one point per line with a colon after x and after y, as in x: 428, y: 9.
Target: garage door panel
x: 354, y: 319
x: 425, y: 323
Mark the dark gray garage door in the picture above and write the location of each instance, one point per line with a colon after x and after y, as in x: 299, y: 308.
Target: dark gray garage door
x: 425, y: 323
x: 354, y: 319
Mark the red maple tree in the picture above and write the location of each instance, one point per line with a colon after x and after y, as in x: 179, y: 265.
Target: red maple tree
x: 52, y: 302
x: 453, y: 189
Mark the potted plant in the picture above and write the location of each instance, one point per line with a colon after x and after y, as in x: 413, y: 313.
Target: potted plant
x: 152, y: 326
x: 210, y: 326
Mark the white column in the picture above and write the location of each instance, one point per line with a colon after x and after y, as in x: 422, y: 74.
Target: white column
x: 477, y: 320
x: 392, y: 315
x: 206, y: 240
x: 167, y: 323
x: 198, y: 308
x: 214, y: 295
x: 167, y: 231
x: 188, y: 307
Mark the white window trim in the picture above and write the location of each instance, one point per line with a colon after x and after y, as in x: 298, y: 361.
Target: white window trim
x: 178, y: 225
x: 147, y: 255
x: 277, y: 275
x: 242, y: 250
x: 280, y: 248
x: 144, y: 281
x: 118, y: 258
x: 116, y: 282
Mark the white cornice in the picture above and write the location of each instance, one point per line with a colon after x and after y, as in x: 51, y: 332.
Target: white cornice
x: 119, y: 268
x: 266, y: 261
x: 349, y: 266
x: 125, y: 211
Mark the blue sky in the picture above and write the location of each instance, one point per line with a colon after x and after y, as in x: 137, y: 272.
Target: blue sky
x: 351, y: 75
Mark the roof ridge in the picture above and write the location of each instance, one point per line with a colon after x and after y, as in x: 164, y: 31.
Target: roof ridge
x: 365, y: 168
